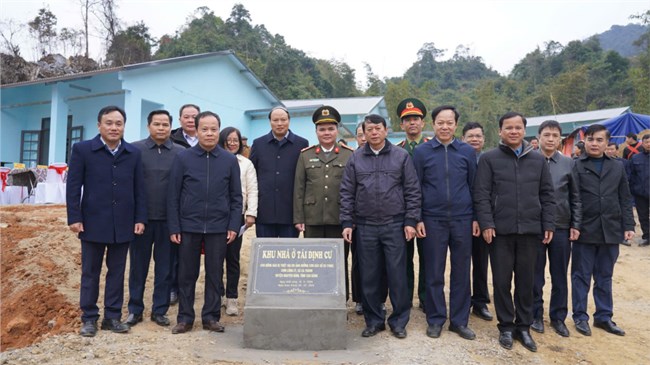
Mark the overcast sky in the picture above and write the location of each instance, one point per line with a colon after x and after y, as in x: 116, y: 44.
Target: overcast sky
x: 385, y: 34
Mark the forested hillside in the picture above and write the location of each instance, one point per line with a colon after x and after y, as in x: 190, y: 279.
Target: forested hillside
x: 553, y: 79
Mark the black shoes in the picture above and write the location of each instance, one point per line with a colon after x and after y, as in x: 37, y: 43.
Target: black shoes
x: 559, y: 327
x: 173, y: 298
x: 463, y: 332
x: 133, y: 319
x: 583, y: 328
x: 213, y: 326
x: 526, y: 340
x: 115, y: 325
x: 538, y: 325
x: 643, y: 243
x: 399, y: 332
x: 88, y: 329
x: 505, y: 340
x: 373, y: 330
x: 181, y: 327
x: 434, y: 330
x: 482, y: 313
x: 610, y: 327
x: 160, y: 319
x: 358, y: 309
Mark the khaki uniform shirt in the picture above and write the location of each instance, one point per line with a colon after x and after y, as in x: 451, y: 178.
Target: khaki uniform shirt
x: 316, y: 185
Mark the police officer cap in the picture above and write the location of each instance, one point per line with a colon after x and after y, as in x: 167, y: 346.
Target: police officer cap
x: 411, y: 106
x: 326, y: 114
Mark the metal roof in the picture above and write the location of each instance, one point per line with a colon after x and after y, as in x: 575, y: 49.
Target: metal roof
x: 347, y: 106
x: 594, y: 115
x: 228, y: 53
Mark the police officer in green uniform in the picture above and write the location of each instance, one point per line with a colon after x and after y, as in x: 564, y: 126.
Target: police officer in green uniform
x: 411, y: 112
x: 318, y: 177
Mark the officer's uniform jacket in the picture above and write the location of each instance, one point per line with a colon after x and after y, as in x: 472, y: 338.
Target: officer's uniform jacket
x: 317, y: 183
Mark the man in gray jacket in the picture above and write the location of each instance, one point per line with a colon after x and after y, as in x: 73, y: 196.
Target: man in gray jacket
x: 568, y: 215
x: 158, y: 152
x: 515, y: 203
x: 380, y: 195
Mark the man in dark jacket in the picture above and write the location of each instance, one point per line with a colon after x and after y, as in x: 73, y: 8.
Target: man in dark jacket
x: 515, y: 203
x: 106, y: 205
x: 411, y: 112
x: 158, y: 153
x: 473, y: 135
x: 380, y: 194
x: 185, y: 135
x: 633, y: 146
x: 607, y: 219
x: 446, y: 168
x: 204, y: 209
x: 639, y: 186
x: 568, y: 214
x: 275, y: 156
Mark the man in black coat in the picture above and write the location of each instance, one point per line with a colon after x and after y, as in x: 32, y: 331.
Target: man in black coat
x: 515, y: 203
x: 607, y: 220
x: 275, y: 156
x: 639, y: 167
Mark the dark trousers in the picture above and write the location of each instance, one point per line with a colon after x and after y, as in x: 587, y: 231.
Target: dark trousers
x: 595, y: 260
x: 189, y: 262
x: 480, y: 256
x: 356, y: 274
x: 382, y: 251
x: 154, y: 239
x: 642, y: 211
x: 455, y: 236
x: 410, y: 269
x: 331, y: 231
x: 559, y: 252
x: 233, y: 269
x: 92, y: 259
x: 513, y: 253
x: 173, y: 278
x: 276, y: 230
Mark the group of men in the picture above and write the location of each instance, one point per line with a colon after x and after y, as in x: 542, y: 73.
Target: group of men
x: 512, y: 204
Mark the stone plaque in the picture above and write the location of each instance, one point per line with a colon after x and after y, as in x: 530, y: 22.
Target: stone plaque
x: 308, y: 269
x: 295, y: 299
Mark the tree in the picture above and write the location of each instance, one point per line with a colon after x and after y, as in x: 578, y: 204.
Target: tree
x: 374, y: 85
x: 86, y: 8
x: 9, y: 32
x: 106, y: 13
x: 130, y: 46
x: 71, y: 38
x: 43, y: 28
x: 640, y: 73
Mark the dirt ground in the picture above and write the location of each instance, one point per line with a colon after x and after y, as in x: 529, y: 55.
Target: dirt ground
x: 40, y: 317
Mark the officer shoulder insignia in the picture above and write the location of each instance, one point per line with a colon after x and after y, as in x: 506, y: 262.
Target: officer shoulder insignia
x: 308, y: 148
x: 401, y: 143
x: 346, y: 147
x: 426, y: 139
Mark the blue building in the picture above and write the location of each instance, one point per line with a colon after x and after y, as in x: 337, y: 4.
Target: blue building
x: 41, y: 119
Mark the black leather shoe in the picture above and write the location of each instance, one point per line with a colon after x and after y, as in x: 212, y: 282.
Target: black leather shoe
x: 482, y: 313
x: 88, y: 329
x: 434, y: 330
x: 160, y: 319
x: 537, y: 325
x: 173, y: 298
x: 583, y: 327
x: 526, y: 340
x: 373, y: 330
x: 399, y: 332
x: 181, y: 327
x: 358, y: 309
x: 644, y: 243
x: 133, y: 319
x: 213, y: 326
x: 463, y: 332
x: 505, y: 340
x: 610, y: 327
x: 115, y: 325
x: 560, y: 328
